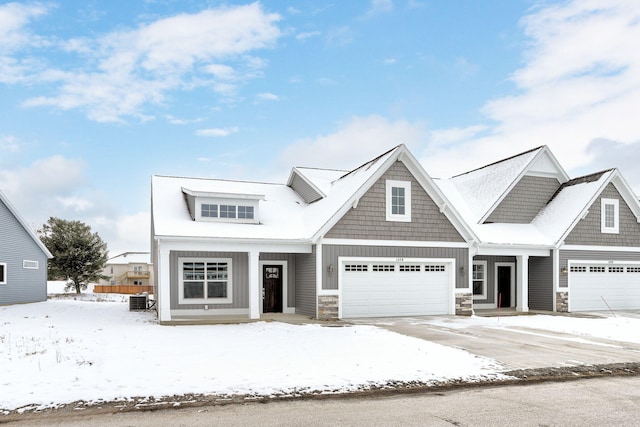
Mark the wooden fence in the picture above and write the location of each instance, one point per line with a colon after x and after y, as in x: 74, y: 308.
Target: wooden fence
x: 120, y: 289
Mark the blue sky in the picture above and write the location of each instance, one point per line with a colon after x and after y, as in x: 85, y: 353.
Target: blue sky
x: 96, y: 96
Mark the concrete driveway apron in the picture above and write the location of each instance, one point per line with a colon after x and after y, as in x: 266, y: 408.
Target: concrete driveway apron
x: 516, y: 347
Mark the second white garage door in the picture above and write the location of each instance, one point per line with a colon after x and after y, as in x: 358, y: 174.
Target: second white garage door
x: 603, y: 286
x: 390, y: 288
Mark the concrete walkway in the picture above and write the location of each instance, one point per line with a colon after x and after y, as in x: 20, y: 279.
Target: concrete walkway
x: 516, y: 347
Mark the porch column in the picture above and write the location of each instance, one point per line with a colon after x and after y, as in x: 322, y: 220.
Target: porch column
x: 522, y: 283
x: 254, y: 285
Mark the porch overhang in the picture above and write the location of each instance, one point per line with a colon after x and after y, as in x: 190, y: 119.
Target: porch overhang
x: 513, y: 250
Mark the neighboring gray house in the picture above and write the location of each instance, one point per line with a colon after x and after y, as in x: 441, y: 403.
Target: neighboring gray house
x: 23, y: 259
x: 385, y: 239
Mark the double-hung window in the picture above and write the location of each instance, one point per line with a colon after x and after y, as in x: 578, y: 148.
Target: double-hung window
x: 205, y: 280
x: 479, y: 280
x: 610, y: 216
x: 398, y: 200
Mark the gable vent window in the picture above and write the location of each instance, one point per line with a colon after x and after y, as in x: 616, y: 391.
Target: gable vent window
x: 31, y: 265
x: 610, y: 213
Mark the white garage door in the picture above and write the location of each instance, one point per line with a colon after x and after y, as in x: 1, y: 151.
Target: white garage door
x: 389, y: 288
x: 594, y: 286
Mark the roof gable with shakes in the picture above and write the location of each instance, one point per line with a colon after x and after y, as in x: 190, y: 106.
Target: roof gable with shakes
x: 483, y: 189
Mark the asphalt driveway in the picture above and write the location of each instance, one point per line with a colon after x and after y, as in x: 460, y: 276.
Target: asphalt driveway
x: 516, y: 347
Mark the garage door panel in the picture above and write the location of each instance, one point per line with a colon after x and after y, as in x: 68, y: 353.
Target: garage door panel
x: 416, y: 288
x: 617, y: 287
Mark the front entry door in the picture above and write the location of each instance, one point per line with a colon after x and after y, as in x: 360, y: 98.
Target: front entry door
x: 504, y: 286
x: 272, y: 288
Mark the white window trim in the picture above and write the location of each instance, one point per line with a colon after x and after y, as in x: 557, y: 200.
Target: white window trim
x: 230, y: 202
x: 483, y: 295
x: 34, y: 266
x: 3, y: 280
x: 407, y: 200
x: 616, y: 213
x: 183, y: 300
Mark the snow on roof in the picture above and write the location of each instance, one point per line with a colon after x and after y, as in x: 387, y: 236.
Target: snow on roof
x: 282, y: 214
x: 131, y: 258
x: 568, y: 203
x: 481, y: 188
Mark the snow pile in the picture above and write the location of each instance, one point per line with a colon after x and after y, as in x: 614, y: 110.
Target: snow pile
x: 83, y: 348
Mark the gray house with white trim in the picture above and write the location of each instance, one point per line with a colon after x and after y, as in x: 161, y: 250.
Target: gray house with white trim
x: 23, y: 259
x: 385, y: 239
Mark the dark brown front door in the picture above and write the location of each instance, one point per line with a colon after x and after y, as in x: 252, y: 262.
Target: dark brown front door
x: 272, y: 284
x: 504, y: 286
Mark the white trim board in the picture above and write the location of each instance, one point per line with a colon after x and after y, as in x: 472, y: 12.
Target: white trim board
x: 396, y: 243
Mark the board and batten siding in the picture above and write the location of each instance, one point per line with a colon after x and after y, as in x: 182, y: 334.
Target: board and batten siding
x: 525, y: 200
x: 491, y: 275
x: 300, y: 186
x: 541, y: 283
x: 17, y: 245
x: 291, y: 273
x: 239, y: 277
x: 578, y: 255
x: 588, y: 230
x: 306, y: 283
x: 331, y: 253
x: 368, y: 219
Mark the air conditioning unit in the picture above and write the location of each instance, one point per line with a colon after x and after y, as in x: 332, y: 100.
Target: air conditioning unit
x: 138, y: 302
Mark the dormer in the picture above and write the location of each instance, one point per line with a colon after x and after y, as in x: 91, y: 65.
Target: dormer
x: 304, y: 187
x: 223, y: 207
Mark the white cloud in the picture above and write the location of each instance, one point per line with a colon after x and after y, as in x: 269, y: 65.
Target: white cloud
x: 9, y: 144
x: 78, y: 204
x: 357, y: 141
x: 267, y: 96
x: 177, y: 121
x: 580, y: 83
x: 217, y: 131
x: 307, y: 34
x: 136, y: 67
x: 379, y: 6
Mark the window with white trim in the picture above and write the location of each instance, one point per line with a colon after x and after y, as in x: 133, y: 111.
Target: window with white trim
x: 610, y: 216
x: 3, y: 273
x: 210, y: 210
x: 398, y: 195
x: 30, y: 265
x: 479, y: 280
x: 205, y: 280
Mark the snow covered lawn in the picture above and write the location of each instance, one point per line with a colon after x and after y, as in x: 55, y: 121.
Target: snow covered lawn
x: 64, y: 350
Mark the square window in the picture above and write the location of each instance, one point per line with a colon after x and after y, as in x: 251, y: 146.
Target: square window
x: 245, y: 212
x: 205, y: 280
x: 398, y: 201
x: 209, y: 211
x: 227, y: 211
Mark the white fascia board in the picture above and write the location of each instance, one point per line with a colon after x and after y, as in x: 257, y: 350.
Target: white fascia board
x: 24, y: 225
x: 585, y: 210
x: 626, y: 192
x: 211, y: 245
x: 219, y: 195
x: 358, y: 194
x: 588, y: 248
x: 396, y: 243
x: 430, y: 187
x: 514, y: 250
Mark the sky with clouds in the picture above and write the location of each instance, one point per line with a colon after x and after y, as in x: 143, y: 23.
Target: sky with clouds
x: 98, y: 96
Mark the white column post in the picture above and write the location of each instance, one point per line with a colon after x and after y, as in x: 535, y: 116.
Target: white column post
x: 254, y: 285
x: 522, y: 282
x: 164, y: 285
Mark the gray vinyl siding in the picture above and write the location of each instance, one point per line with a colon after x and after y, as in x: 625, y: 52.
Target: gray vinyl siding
x: 368, y: 219
x: 588, y: 230
x: 491, y: 275
x: 16, y: 245
x: 306, y: 284
x: 330, y: 254
x: 525, y: 200
x: 541, y: 283
x: 305, y: 191
x: 291, y: 273
x: 566, y: 255
x: 239, y: 277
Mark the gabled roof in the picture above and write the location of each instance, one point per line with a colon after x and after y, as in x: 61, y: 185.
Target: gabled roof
x: 483, y: 189
x: 573, y: 199
x: 130, y: 258
x: 283, y: 214
x: 24, y: 225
